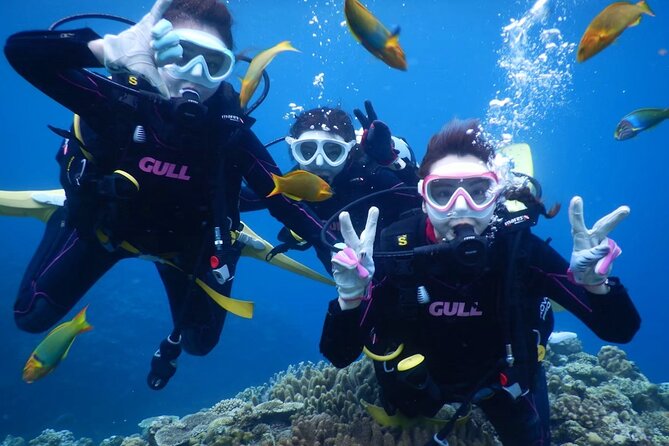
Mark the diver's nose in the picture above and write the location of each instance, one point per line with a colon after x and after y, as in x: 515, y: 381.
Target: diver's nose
x: 319, y: 160
x: 197, y: 70
x: 461, y: 203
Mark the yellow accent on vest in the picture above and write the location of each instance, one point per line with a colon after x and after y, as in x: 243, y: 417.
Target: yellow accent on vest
x: 388, y: 357
x: 129, y: 177
x: 402, y: 240
x: 541, y: 352
x: 241, y: 308
x: 410, y: 362
x: 295, y: 236
x: 77, y: 132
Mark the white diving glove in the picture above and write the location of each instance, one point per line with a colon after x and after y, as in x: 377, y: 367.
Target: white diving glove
x: 593, y: 254
x: 131, y: 50
x: 353, y: 266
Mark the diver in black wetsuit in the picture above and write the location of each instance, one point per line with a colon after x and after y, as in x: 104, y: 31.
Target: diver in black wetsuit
x: 323, y: 141
x: 457, y: 309
x: 153, y: 173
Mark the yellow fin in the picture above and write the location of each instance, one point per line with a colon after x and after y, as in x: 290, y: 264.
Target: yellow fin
x: 521, y: 154
x: 292, y: 197
x: 381, y: 416
x: 281, y: 260
x: 645, y: 8
x: 277, y: 186
x: 393, y: 41
x: 23, y: 204
x: 80, y: 321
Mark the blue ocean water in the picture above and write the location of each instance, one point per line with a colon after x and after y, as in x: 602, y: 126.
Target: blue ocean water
x: 460, y: 59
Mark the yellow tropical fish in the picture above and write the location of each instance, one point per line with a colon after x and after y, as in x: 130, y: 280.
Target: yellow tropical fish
x: 301, y: 185
x: 54, y: 348
x: 608, y: 25
x: 258, y: 64
x: 375, y: 37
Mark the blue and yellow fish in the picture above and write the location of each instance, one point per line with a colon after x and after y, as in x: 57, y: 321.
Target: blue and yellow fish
x: 375, y: 37
x: 54, y: 348
x: 638, y: 121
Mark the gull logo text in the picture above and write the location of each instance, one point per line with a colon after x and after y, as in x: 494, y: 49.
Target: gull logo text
x: 458, y: 309
x: 164, y: 169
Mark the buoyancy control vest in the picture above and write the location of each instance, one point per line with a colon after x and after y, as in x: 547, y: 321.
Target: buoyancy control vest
x: 401, y: 262
x: 150, y: 173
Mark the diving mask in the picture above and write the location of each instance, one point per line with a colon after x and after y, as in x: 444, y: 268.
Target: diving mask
x: 206, y: 60
x: 441, y: 192
x: 332, y: 151
x: 450, y: 197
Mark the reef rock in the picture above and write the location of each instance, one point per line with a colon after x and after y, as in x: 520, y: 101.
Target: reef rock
x: 595, y: 400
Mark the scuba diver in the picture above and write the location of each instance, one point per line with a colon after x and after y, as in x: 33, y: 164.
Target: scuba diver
x: 150, y: 170
x: 323, y: 141
x: 458, y: 308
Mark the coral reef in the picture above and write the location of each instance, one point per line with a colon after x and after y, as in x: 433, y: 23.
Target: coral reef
x: 595, y: 400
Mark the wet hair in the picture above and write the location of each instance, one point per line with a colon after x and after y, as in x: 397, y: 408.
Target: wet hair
x: 332, y: 120
x: 459, y: 138
x: 208, y: 12
x: 524, y: 195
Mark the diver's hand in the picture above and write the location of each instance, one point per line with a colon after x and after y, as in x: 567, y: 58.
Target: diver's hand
x: 166, y: 43
x: 376, y: 138
x: 366, y: 120
x: 131, y: 51
x: 593, y: 253
x: 353, y: 266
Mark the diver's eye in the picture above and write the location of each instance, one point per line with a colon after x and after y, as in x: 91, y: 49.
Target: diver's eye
x: 308, y: 149
x: 480, y: 190
x: 333, y: 150
x: 442, y: 192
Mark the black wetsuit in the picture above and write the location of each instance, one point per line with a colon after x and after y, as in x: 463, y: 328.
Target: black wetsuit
x: 463, y: 329
x: 359, y: 179
x: 149, y: 176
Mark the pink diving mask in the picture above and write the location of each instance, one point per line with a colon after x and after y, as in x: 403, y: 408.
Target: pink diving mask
x: 479, y: 191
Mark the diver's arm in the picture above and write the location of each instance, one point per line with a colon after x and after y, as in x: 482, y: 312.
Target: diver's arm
x: 54, y: 62
x: 342, y: 338
x: 249, y: 200
x: 612, y: 316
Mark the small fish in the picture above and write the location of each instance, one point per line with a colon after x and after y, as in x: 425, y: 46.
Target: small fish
x: 301, y: 185
x: 258, y: 64
x: 638, y: 121
x: 54, y: 348
x: 560, y: 336
x: 608, y: 25
x: 375, y: 37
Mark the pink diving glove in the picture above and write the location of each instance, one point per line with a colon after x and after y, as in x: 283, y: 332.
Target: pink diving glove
x: 593, y: 253
x: 353, y: 266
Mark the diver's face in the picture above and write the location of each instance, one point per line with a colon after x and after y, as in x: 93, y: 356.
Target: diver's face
x: 459, y: 190
x: 321, y: 153
x: 205, y: 64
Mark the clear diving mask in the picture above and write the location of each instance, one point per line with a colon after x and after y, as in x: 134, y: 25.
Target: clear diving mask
x: 206, y: 60
x: 333, y: 151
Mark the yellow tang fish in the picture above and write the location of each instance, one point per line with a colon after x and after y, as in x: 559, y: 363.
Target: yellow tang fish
x: 258, y: 64
x: 301, y: 185
x: 608, y: 25
x: 54, y: 348
x: 375, y: 37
